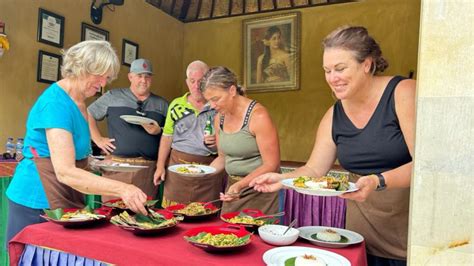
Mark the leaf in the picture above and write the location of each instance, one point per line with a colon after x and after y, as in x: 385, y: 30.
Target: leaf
x: 151, y: 203
x: 243, y: 240
x: 54, y: 214
x: 197, y: 237
x: 143, y: 218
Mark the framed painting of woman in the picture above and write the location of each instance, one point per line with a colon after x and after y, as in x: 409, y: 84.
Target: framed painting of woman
x: 271, y: 53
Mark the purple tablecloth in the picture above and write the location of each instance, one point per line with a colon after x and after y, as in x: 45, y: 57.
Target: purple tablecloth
x: 314, y: 210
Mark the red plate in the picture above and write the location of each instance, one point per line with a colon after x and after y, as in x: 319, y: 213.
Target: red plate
x: 152, y: 231
x: 239, y: 231
x: 251, y: 212
x: 109, y: 204
x: 177, y: 207
x: 79, y: 223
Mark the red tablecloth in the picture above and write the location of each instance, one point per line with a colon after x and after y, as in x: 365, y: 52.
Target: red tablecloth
x: 111, y: 244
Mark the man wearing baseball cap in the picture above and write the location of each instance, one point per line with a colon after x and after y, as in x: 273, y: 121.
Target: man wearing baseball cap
x: 134, y: 119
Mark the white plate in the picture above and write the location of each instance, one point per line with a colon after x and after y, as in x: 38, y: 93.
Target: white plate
x: 278, y: 256
x: 318, y: 191
x: 307, y: 231
x: 205, y: 170
x: 137, y: 120
x: 121, y: 167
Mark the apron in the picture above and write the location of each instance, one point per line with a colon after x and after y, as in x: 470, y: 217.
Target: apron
x: 251, y: 199
x: 186, y: 189
x: 143, y: 178
x: 383, y: 221
x: 59, y: 195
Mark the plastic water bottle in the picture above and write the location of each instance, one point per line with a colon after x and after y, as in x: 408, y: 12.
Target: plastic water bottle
x: 10, y: 148
x: 19, y: 149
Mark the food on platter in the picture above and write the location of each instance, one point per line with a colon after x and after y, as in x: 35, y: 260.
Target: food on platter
x: 151, y: 221
x: 119, y: 204
x: 80, y: 215
x: 219, y: 240
x: 329, y: 235
x: 196, y: 208
x: 190, y: 169
x: 322, y: 183
x: 309, y: 260
x: 245, y: 220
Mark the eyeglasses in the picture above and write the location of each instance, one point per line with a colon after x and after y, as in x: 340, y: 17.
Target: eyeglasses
x: 140, y: 110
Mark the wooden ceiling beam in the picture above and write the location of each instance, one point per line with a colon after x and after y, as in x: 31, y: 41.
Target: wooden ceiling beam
x: 184, y: 10
x: 213, y: 5
x: 198, y: 10
x: 231, y: 4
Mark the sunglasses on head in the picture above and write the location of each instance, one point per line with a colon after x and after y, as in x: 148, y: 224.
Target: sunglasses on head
x: 139, y: 109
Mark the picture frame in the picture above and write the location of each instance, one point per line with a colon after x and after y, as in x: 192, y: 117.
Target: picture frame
x: 272, y: 64
x: 50, y: 28
x: 129, y: 52
x: 90, y: 32
x: 48, y: 69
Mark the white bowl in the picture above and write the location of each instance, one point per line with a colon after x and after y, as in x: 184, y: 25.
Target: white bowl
x: 273, y: 234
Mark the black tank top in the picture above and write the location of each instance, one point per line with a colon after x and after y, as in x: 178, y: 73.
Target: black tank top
x: 379, y: 146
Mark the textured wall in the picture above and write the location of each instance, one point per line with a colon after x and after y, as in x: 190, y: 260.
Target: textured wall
x: 160, y: 39
x: 442, y: 203
x: 297, y: 113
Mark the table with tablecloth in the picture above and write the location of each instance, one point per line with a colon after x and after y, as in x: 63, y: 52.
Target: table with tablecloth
x: 111, y: 244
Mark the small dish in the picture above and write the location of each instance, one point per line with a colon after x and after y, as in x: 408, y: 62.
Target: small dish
x: 192, y: 170
x: 137, y: 120
x: 347, y: 237
x: 273, y: 234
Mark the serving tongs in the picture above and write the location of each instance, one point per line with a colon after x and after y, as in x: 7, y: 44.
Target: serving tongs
x: 278, y: 214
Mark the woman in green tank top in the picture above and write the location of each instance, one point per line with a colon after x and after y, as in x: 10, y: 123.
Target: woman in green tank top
x: 247, y: 141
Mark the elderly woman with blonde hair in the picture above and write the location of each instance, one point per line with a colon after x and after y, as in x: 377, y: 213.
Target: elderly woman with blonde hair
x: 57, y: 142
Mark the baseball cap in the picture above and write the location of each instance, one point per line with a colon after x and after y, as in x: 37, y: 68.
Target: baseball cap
x: 140, y: 66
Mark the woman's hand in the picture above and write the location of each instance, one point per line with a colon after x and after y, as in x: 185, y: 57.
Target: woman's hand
x: 134, y: 198
x: 232, y: 193
x: 269, y: 182
x: 159, y: 175
x: 210, y: 141
x: 105, y: 144
x: 366, y: 184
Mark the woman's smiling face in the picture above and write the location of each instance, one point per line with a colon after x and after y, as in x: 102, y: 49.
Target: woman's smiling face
x: 342, y: 71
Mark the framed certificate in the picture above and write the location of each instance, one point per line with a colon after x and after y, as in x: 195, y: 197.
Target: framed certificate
x: 50, y: 28
x: 89, y: 32
x: 48, y: 67
x: 129, y: 52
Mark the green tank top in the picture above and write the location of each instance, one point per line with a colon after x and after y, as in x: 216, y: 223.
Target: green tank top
x: 240, y: 148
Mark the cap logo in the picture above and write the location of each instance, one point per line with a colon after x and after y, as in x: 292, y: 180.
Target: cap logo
x: 145, y: 66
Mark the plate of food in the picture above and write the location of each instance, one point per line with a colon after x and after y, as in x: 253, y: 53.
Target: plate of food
x: 219, y: 238
x: 250, y: 218
x: 193, y: 170
x: 330, y: 237
x: 294, y: 256
x: 320, y: 186
x: 194, y: 210
x: 118, y: 204
x: 137, y: 120
x: 157, y: 221
x: 120, y: 167
x: 74, y: 217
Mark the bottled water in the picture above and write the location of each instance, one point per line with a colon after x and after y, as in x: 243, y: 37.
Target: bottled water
x: 10, y: 148
x: 19, y: 149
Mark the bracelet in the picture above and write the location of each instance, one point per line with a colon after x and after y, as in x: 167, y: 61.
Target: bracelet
x: 381, y: 185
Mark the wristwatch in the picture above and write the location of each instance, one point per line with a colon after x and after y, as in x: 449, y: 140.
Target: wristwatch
x: 381, y: 185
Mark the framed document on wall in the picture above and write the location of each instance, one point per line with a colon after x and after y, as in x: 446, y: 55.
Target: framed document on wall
x: 48, y: 67
x: 89, y: 32
x: 50, y: 28
x: 129, y: 52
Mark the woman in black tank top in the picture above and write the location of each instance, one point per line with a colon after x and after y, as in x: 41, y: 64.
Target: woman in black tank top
x: 370, y: 130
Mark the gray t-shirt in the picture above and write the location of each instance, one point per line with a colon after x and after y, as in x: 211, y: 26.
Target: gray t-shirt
x: 130, y: 140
